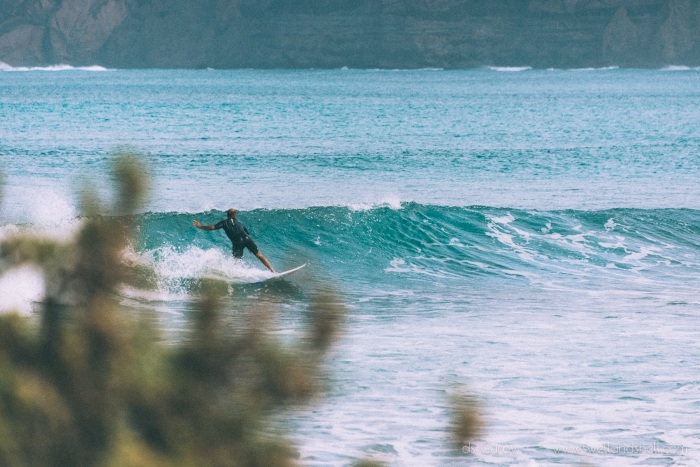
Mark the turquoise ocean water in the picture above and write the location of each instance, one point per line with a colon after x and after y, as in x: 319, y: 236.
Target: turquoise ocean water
x: 533, y: 236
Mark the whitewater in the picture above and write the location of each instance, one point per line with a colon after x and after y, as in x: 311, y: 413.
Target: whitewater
x: 530, y: 235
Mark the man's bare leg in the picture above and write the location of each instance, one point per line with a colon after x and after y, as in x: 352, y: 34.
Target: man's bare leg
x: 264, y: 261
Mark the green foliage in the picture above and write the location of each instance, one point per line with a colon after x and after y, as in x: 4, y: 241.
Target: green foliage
x: 90, y: 384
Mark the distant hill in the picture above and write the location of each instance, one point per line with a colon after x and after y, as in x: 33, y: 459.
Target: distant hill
x: 350, y: 33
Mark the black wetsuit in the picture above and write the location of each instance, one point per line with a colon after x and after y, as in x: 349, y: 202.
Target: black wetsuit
x: 239, y: 236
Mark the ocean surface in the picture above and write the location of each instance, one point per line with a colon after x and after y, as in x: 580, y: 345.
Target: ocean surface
x: 529, y: 236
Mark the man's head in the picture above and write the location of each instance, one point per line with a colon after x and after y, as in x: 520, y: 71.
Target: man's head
x: 231, y: 213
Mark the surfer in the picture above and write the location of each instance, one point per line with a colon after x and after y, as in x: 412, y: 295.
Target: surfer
x: 239, y: 236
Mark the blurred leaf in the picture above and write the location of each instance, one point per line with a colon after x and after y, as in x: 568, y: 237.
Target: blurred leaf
x: 467, y: 422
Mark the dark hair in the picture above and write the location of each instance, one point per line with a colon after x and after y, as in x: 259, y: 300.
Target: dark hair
x: 231, y: 213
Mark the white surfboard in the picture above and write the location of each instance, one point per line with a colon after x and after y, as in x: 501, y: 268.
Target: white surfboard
x: 249, y: 275
x: 280, y: 275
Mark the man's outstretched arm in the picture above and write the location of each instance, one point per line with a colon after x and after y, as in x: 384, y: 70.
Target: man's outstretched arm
x: 203, y: 227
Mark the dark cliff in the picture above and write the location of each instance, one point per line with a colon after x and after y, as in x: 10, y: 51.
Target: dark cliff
x: 353, y: 33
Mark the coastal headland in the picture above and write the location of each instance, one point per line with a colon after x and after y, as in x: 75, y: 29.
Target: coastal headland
x: 350, y: 33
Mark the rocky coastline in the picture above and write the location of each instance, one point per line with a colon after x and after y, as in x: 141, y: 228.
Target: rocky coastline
x: 350, y: 33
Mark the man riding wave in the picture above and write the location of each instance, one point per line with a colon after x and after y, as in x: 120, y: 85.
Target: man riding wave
x: 239, y: 236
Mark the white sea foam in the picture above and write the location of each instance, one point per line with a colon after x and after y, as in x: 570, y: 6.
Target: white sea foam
x: 390, y: 70
x: 604, y: 68
x: 577, y: 240
x: 457, y: 242
x: 5, y: 67
x: 160, y: 295
x: 20, y: 288
x: 677, y: 68
x: 392, y: 202
x: 172, y: 265
x: 509, y: 69
x: 504, y: 220
x: 398, y: 265
x: 174, y: 271
x: 612, y: 246
x: 51, y: 209
x: 387, y: 293
x: 497, y: 229
x: 642, y: 253
x: 50, y: 214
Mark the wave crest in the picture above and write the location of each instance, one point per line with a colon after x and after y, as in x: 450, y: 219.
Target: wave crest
x: 60, y: 67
